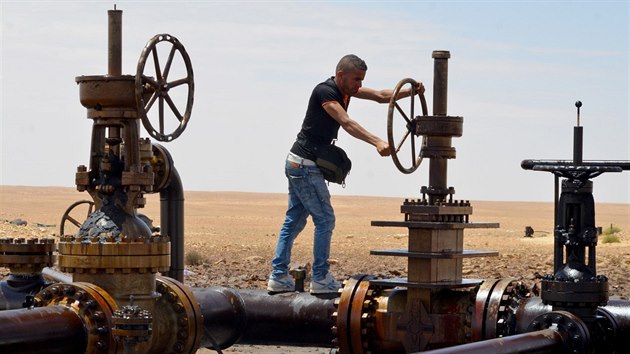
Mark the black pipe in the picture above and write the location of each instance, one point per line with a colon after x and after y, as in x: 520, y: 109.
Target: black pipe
x: 578, y: 133
x: 51, y: 330
x: 172, y: 222
x: 545, y: 341
x: 254, y: 317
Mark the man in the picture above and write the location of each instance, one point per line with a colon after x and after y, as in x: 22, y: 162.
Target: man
x: 308, y: 192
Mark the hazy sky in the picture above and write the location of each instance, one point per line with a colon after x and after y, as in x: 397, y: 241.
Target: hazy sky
x: 516, y: 69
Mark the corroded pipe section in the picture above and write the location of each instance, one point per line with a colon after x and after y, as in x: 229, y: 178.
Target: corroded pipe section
x: 55, y: 329
x: 254, y: 317
x: 546, y: 341
x: 114, y: 42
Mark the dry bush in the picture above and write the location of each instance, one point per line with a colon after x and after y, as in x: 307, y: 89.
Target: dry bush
x: 194, y: 258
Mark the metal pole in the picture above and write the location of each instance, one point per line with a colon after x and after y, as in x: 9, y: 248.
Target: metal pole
x: 114, y: 42
x: 438, y: 165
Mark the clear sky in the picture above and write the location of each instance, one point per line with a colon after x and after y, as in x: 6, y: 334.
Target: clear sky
x: 516, y: 69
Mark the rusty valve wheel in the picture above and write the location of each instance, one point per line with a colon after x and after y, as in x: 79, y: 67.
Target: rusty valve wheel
x: 410, y: 124
x: 68, y: 218
x: 160, y: 89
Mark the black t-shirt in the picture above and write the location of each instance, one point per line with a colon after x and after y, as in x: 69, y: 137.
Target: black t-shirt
x: 319, y: 128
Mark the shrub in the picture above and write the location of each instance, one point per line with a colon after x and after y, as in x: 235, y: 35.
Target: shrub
x: 194, y: 258
x: 610, y: 238
x: 611, y: 230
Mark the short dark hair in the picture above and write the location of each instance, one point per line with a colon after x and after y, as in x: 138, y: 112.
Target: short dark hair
x: 351, y: 62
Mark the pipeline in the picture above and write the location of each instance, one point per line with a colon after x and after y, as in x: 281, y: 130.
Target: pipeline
x: 229, y: 316
x: 254, y: 317
x: 172, y: 222
x: 546, y: 341
x: 54, y: 329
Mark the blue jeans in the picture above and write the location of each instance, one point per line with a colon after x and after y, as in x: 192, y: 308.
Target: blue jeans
x: 308, y: 195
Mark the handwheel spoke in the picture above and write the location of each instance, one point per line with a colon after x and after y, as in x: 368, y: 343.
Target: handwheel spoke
x: 73, y: 221
x: 156, y: 62
x: 151, y: 82
x: 402, y: 141
x: 161, y: 114
x: 173, y: 108
x: 178, y: 82
x: 169, y: 61
x: 152, y: 99
x: 401, y: 112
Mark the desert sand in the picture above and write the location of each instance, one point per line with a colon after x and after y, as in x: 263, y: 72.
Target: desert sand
x: 236, y: 233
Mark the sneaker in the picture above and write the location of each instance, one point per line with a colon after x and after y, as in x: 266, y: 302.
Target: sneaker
x: 325, y: 286
x: 280, y: 285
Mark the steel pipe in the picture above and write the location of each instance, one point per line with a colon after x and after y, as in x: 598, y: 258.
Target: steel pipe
x: 54, y: 329
x: 254, y: 317
x: 546, y: 341
x: 172, y: 221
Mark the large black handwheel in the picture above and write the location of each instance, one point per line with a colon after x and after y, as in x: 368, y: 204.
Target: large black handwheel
x: 161, y: 88
x: 69, y: 218
x: 410, y: 126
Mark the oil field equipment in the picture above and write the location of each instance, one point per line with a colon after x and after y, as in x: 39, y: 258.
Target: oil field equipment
x: 126, y: 292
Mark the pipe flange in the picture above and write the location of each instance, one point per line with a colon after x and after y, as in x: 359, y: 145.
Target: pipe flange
x: 494, y: 314
x: 354, y: 318
x: 177, y: 312
x: 576, y: 335
x: 23, y: 255
x: 92, y: 304
x: 83, y: 257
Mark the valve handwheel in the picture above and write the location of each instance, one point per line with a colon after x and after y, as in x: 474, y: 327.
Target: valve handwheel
x: 160, y: 89
x: 69, y: 218
x: 411, y: 122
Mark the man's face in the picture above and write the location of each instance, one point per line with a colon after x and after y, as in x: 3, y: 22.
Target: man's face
x: 351, y: 81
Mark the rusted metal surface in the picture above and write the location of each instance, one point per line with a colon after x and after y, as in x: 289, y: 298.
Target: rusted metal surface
x: 52, y: 330
x: 91, y: 304
x: 26, y: 259
x: 149, y: 90
x: 416, y: 145
x: 114, y: 42
x: 255, y: 317
x: 546, y: 341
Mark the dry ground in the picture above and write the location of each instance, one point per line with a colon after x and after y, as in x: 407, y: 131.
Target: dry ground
x: 236, y: 233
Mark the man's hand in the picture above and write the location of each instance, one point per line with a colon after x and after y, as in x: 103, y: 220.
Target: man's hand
x: 383, y: 148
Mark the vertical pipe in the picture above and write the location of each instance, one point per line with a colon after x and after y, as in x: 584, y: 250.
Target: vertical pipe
x: 114, y: 58
x: 577, y: 145
x: 556, y: 197
x: 114, y: 42
x: 438, y: 165
x: 440, y: 81
x: 172, y: 222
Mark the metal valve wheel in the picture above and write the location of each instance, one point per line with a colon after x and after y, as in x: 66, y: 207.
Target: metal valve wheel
x: 71, y: 210
x: 410, y: 126
x: 162, y: 89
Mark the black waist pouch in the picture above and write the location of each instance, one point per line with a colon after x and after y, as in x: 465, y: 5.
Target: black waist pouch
x: 333, y: 162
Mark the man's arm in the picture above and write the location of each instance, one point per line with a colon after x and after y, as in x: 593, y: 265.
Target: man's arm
x: 353, y: 128
x: 383, y: 96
